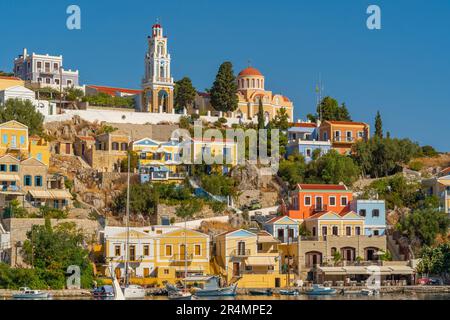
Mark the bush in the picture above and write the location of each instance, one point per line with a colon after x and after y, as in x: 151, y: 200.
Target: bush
x: 416, y: 165
x: 429, y: 151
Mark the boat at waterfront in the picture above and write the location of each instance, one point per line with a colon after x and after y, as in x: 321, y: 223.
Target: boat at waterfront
x: 173, y: 293
x: 103, y: 292
x: 27, y: 293
x: 293, y: 292
x: 210, y: 287
x: 369, y: 292
x: 261, y: 292
x: 318, y: 290
x: 133, y: 291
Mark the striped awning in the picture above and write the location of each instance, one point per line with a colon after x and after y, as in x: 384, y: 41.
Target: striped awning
x: 9, y: 177
x: 260, y: 261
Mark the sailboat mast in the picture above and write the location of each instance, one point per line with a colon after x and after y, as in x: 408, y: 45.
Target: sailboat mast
x: 185, y: 254
x: 127, y: 222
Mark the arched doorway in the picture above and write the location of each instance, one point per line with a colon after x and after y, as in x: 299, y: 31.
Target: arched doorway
x: 370, y: 254
x: 163, y: 100
x: 348, y: 254
x: 312, y: 258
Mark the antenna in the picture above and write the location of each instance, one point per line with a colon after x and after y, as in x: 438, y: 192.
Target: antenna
x: 249, y: 63
x: 319, y: 91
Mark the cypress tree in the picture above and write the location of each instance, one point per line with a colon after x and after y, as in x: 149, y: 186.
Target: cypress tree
x: 224, y: 89
x: 378, y: 125
x: 261, y: 120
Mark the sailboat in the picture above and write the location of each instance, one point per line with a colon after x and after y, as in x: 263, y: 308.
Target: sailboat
x: 130, y: 291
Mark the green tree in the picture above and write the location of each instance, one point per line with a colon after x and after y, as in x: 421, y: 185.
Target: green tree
x: 429, y: 151
x: 424, y: 225
x: 134, y: 162
x: 189, y: 209
x: 184, y: 93
x: 435, y: 260
x: 332, y: 168
x: 378, y: 126
x: 219, y: 185
x: 73, y: 94
x: 25, y: 113
x: 292, y: 170
x: 52, y: 250
x: 261, y: 118
x: 329, y: 109
x: 280, y: 122
x: 6, y: 74
x: 379, y: 157
x: 224, y: 90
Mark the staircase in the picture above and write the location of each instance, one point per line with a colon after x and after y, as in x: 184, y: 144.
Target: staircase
x: 83, y: 163
x: 394, y: 248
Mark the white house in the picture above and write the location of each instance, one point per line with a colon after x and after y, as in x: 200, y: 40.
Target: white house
x: 20, y: 92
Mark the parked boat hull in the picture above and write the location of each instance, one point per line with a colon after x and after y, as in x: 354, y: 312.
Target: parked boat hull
x: 219, y: 292
x: 42, y: 295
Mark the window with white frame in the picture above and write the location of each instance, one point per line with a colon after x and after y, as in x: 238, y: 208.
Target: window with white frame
x: 307, y: 201
x: 332, y: 201
x: 344, y: 201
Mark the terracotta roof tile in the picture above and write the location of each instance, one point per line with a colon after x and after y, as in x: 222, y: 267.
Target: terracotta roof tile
x: 303, y: 186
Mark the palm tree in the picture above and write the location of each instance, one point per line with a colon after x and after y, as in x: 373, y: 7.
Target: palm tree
x: 337, y: 257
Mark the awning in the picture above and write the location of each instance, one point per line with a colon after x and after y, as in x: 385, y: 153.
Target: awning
x: 355, y: 270
x: 40, y: 194
x: 401, y: 270
x: 60, y: 194
x: 52, y: 194
x: 9, y: 177
x: 332, y: 270
x: 260, y: 261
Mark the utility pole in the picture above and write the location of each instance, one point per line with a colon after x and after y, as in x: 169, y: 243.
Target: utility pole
x: 289, y: 259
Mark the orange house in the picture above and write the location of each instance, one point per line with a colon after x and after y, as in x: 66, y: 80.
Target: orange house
x: 309, y: 199
x: 343, y: 134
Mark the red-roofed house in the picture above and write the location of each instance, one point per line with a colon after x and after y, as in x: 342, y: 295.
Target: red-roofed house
x: 310, y: 199
x: 343, y: 134
x: 115, y: 92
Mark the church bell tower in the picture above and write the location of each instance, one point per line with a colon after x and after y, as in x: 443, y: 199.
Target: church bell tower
x: 157, y: 84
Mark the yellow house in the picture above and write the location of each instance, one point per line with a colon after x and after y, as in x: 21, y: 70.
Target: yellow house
x: 157, y: 254
x: 13, y: 138
x: 39, y: 149
x: 252, y: 260
x: 179, y: 252
x: 159, y: 160
x: 332, y: 224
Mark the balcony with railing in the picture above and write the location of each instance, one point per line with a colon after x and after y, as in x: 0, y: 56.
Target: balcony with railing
x: 287, y: 239
x: 244, y: 253
x: 347, y: 139
x: 182, y: 257
x: 320, y: 208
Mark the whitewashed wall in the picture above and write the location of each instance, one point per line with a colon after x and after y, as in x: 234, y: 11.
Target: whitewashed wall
x: 118, y: 116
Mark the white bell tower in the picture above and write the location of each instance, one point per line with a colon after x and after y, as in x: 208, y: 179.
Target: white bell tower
x: 158, y: 83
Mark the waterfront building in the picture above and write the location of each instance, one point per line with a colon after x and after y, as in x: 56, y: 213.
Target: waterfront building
x: 303, y: 139
x: 283, y: 228
x: 157, y: 253
x: 157, y: 84
x: 343, y: 134
x: 252, y: 260
x: 44, y: 70
x: 374, y: 214
x: 309, y: 199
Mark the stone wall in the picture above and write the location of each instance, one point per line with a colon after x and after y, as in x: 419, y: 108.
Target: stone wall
x: 19, y: 228
x: 169, y: 211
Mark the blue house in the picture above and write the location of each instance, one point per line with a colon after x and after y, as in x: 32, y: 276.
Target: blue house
x: 283, y: 228
x: 303, y: 139
x: 374, y: 212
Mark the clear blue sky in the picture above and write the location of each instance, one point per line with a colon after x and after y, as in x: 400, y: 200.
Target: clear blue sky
x: 402, y: 70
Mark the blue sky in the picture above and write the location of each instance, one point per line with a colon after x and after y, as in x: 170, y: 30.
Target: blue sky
x: 403, y: 70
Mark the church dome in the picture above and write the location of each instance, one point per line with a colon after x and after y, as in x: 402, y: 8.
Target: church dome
x: 250, y: 71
